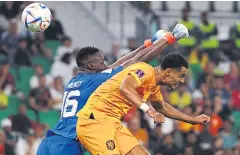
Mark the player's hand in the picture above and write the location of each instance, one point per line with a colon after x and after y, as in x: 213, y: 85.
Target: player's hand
x: 158, y: 35
x: 151, y: 112
x: 180, y: 31
x: 201, y: 119
x: 159, y: 118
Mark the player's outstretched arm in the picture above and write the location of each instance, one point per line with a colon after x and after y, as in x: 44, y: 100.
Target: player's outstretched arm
x: 170, y: 112
x: 160, y: 41
x: 126, y: 57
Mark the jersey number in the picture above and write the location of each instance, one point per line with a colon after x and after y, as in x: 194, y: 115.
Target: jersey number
x: 70, y: 103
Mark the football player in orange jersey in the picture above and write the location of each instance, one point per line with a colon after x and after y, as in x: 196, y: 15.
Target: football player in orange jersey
x: 99, y: 127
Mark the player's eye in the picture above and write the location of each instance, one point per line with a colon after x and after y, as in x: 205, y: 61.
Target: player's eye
x: 182, y: 76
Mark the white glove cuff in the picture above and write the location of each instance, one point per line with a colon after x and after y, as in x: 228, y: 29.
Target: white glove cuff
x: 144, y: 107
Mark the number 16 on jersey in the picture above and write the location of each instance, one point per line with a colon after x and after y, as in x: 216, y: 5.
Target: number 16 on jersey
x: 70, y: 103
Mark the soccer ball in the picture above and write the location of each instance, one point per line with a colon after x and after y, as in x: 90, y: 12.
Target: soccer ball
x: 36, y: 17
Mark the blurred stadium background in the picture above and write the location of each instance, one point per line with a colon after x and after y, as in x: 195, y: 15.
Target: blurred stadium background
x: 34, y: 68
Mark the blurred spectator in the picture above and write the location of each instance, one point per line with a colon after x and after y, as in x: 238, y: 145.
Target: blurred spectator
x: 11, y: 137
x: 205, y: 91
x: 177, y: 136
x: 218, y: 143
x: 168, y: 147
x: 208, y: 35
x: 66, y: 47
x: 229, y: 140
x: 34, y: 81
x: 57, y: 92
x: 40, y: 98
x: 235, y: 102
x: 66, y: 68
x: 22, y: 55
x: 3, y: 24
x: 206, y: 141
x: 155, y: 137
x: 197, y: 98
x: 232, y: 79
x: 20, y: 122
x: 207, y: 76
x: 9, y: 9
x: 55, y: 30
x: 192, y: 140
x: 188, y: 150
x: 141, y: 134
x: 2, y: 143
x: 9, y: 39
x: 25, y: 144
x: 216, y: 122
x: 38, y: 46
x: 7, y: 82
x: 3, y: 100
x: 191, y: 41
x: 39, y: 135
x: 235, y: 37
x: 181, y: 97
x: 219, y: 89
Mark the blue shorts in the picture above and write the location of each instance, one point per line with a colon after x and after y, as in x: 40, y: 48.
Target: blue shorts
x: 58, y: 145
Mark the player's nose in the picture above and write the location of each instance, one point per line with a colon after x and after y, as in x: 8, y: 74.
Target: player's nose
x: 181, y: 81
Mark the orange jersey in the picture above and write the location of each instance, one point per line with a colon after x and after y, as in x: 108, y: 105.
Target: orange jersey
x: 107, y: 98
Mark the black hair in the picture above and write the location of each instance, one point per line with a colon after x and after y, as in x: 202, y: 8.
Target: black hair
x: 83, y: 54
x: 174, y: 60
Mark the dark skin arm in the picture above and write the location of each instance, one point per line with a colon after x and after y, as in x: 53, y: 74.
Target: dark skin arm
x: 145, y: 55
x: 128, y: 90
x: 126, y: 57
x: 169, y: 111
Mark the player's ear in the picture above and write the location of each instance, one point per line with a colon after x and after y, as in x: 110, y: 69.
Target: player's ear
x: 168, y: 70
x: 91, y: 66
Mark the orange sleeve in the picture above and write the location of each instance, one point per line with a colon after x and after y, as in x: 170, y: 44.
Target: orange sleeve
x: 156, y: 96
x: 142, y: 72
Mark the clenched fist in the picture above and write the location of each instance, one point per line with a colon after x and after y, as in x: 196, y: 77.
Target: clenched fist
x: 201, y: 119
x: 157, y: 117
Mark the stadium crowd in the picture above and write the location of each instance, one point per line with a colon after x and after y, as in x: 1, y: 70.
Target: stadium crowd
x: 36, y: 67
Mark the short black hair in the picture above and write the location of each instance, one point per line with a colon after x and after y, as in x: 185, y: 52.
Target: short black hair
x: 174, y: 60
x: 83, y: 54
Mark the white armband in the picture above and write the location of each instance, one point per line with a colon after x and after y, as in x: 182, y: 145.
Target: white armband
x: 144, y: 107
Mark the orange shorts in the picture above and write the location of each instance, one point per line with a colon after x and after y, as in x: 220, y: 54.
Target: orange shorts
x: 105, y: 137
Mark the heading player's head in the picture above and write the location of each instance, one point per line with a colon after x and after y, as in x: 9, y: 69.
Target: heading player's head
x: 174, y: 68
x: 90, y: 59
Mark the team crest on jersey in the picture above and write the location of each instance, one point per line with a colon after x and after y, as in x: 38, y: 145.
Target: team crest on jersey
x: 110, y: 145
x: 140, y: 73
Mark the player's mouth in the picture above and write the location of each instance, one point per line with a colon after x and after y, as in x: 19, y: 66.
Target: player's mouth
x: 175, y: 85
